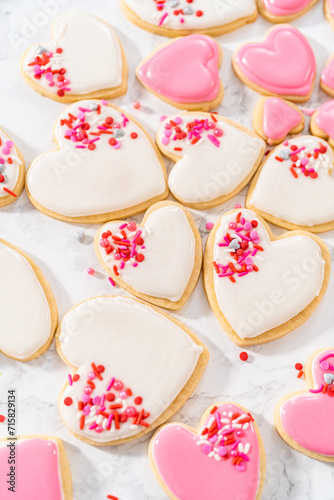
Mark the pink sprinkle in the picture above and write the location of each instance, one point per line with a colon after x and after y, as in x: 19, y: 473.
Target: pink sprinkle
x: 163, y: 18
x: 70, y: 381
x: 324, y: 365
x: 109, y: 386
x: 243, y: 274
x: 242, y: 455
x: 117, y: 145
x: 91, y: 271
x: 122, y: 226
x: 165, y: 141
x: 85, y: 398
x: 122, y: 264
x: 80, y: 147
x: 235, y: 444
x: 94, y: 140
x: 207, y: 448
x: 181, y: 20
x: 209, y: 226
x: 135, y: 264
x: 93, y: 426
x: 177, y: 120
x: 315, y: 391
x: 102, y: 128
x: 214, y: 140
x: 163, y: 118
x: 109, y: 421
x: 219, y: 424
x: 286, y: 143
x: 226, y: 274
x: 104, y: 102
x: 86, y: 410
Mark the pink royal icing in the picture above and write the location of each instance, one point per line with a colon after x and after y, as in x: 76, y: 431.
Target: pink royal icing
x: 325, y: 118
x: 283, y: 64
x: 331, y: 7
x: 307, y: 418
x: 225, y: 465
x: 285, y: 7
x: 278, y: 118
x: 327, y: 74
x: 36, y: 470
x: 185, y: 70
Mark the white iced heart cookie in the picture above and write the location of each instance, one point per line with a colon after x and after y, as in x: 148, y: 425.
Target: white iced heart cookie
x: 261, y: 287
x: 134, y: 368
x: 181, y: 17
x: 215, y: 157
x: 12, y: 170
x: 294, y: 188
x: 106, y: 167
x: 158, y: 261
x: 83, y: 59
x: 28, y: 309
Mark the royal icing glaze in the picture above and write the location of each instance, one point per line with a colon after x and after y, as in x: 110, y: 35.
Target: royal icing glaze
x: 295, y: 183
x: 105, y: 163
x: 24, y: 309
x: 324, y: 118
x: 196, y: 137
x: 327, y: 74
x: 151, y: 357
x: 157, y: 259
x: 221, y: 461
x: 281, y: 8
x: 260, y: 284
x: 279, y: 118
x: 9, y: 165
x: 170, y: 70
x: 331, y: 7
x: 38, y: 474
x: 283, y: 64
x: 306, y: 417
x: 73, y: 62
x: 195, y: 15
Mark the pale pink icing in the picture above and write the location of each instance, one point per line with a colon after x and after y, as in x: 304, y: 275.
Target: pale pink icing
x: 325, y: 118
x: 327, y: 74
x: 191, y: 475
x: 37, y: 471
x: 185, y: 70
x: 278, y: 118
x: 285, y: 7
x: 307, y: 418
x: 331, y: 7
x: 283, y: 64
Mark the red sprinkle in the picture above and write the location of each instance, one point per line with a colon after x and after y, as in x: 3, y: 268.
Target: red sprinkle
x: 298, y: 366
x: 243, y: 356
x: 68, y: 401
x: 138, y: 400
x: 2, y: 418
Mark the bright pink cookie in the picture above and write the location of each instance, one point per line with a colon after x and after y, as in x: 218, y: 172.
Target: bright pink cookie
x: 327, y: 77
x: 283, y: 65
x: 284, y: 11
x: 304, y: 419
x: 224, y: 459
x: 185, y: 73
x: 322, y: 122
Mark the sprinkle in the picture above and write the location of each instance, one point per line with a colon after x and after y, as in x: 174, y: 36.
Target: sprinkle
x: 209, y: 226
x: 70, y: 381
x: 243, y: 356
x: 91, y: 271
x: 298, y: 366
x: 163, y: 18
x: 9, y: 192
x: 136, y: 104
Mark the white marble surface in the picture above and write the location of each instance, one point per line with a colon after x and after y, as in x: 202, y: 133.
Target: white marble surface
x: 124, y: 471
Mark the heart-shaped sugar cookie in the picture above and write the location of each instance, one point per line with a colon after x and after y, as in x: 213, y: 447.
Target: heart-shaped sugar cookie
x: 190, y: 139
x: 84, y: 59
x: 322, y: 122
x: 303, y: 419
x: 134, y: 367
x: 275, y: 118
x: 178, y: 18
x: 294, y: 187
x: 185, y: 73
x: 28, y: 309
x: 327, y: 77
x: 284, y: 11
x: 224, y: 458
x: 106, y: 167
x: 158, y: 261
x: 44, y: 472
x: 283, y: 65
x: 12, y: 170
x: 261, y: 287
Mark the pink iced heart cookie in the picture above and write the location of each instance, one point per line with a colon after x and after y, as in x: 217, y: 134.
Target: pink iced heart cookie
x: 284, y: 11
x: 283, y: 65
x: 66, y: 71
x: 275, y: 118
x: 294, y: 187
x: 224, y: 458
x: 106, y: 166
x: 159, y: 260
x: 184, y: 73
x: 304, y: 418
x: 259, y: 286
x: 40, y: 469
x: 322, y: 122
x: 327, y: 77
x: 329, y: 11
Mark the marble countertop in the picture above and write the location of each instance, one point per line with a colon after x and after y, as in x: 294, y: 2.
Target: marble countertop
x: 124, y: 471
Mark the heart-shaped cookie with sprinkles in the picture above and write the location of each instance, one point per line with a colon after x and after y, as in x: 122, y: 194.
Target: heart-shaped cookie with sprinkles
x: 133, y: 368
x: 73, y: 66
x: 294, y: 187
x: 303, y: 418
x: 12, y: 170
x: 159, y: 260
x: 262, y: 287
x: 185, y: 73
x: 106, y: 167
x: 190, y: 139
x: 224, y: 458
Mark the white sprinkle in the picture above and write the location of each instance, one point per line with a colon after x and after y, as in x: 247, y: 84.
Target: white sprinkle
x: 246, y: 425
x: 246, y: 448
x: 217, y: 457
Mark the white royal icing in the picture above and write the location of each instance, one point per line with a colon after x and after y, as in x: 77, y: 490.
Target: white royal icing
x: 24, y: 310
x: 169, y: 251
x: 10, y: 171
x: 303, y: 201
x: 91, y: 53
x: 79, y: 182
x: 215, y: 12
x: 206, y: 171
x: 290, y: 276
x: 137, y: 345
